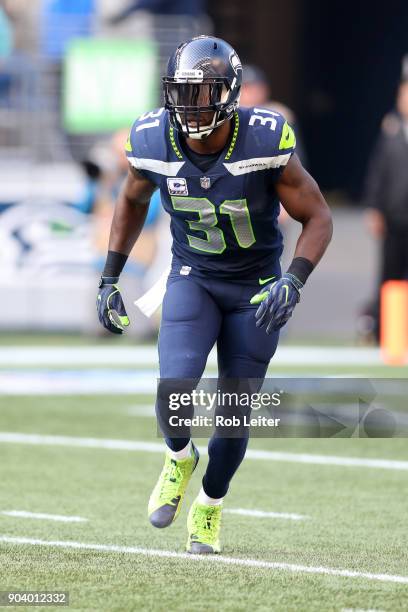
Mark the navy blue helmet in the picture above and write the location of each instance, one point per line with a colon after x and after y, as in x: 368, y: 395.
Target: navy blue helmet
x: 202, y: 85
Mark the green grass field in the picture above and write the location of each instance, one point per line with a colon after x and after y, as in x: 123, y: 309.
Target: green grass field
x: 355, y: 518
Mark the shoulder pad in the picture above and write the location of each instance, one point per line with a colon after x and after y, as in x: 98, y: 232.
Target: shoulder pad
x: 269, y: 141
x: 143, y: 138
x: 146, y: 147
x: 274, y: 130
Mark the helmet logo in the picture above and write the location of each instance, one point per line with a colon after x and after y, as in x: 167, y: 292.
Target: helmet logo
x: 235, y: 62
x: 205, y: 182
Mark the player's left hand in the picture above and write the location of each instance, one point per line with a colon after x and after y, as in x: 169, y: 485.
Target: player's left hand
x: 277, y: 302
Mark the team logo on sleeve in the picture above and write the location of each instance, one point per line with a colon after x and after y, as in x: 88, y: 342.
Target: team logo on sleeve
x: 205, y: 182
x: 177, y: 186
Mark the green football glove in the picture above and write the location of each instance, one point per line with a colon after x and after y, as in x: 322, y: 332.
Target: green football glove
x: 111, y: 309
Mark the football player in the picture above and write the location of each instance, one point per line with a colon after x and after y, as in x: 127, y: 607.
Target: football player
x: 222, y: 172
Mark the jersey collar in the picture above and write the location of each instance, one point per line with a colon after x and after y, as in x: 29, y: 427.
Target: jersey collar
x: 225, y: 154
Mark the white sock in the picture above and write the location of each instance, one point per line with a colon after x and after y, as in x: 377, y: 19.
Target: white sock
x: 208, y: 501
x: 181, y: 454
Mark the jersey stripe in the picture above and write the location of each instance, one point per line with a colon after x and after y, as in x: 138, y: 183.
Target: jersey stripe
x: 156, y: 165
x: 245, y: 166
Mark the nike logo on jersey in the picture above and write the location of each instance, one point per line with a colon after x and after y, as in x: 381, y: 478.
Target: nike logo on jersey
x: 263, y: 281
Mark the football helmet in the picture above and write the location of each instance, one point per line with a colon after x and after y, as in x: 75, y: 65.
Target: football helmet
x: 202, y: 85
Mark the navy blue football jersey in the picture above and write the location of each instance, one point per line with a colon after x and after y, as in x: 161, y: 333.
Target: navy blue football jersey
x: 223, y: 222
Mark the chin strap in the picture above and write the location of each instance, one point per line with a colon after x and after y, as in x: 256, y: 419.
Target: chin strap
x: 199, y: 135
x: 206, y: 130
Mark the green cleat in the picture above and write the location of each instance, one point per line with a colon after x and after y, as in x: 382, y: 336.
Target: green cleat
x: 203, y: 524
x: 165, y: 500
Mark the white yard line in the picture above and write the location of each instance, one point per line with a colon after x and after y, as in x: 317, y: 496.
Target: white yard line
x: 144, y: 355
x: 42, y: 516
x: 360, y: 610
x: 137, y: 381
x: 382, y: 464
x: 78, y: 382
x: 78, y: 355
x: 262, y: 514
x: 158, y: 447
x: 45, y: 440
x: 150, y: 552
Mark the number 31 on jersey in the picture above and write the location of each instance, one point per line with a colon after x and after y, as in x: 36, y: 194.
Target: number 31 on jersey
x: 214, y: 242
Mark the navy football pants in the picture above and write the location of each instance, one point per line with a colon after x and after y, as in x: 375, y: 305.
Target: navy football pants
x: 197, y: 313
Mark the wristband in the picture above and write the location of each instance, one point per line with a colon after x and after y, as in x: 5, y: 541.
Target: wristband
x: 301, y: 268
x: 115, y: 262
x: 108, y: 280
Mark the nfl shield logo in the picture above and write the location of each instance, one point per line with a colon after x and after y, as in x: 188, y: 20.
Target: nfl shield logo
x: 205, y: 182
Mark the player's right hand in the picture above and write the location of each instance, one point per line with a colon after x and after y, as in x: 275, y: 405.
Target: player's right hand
x: 111, y: 309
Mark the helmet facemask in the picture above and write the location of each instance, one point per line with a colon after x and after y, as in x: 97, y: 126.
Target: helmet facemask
x: 198, y: 105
